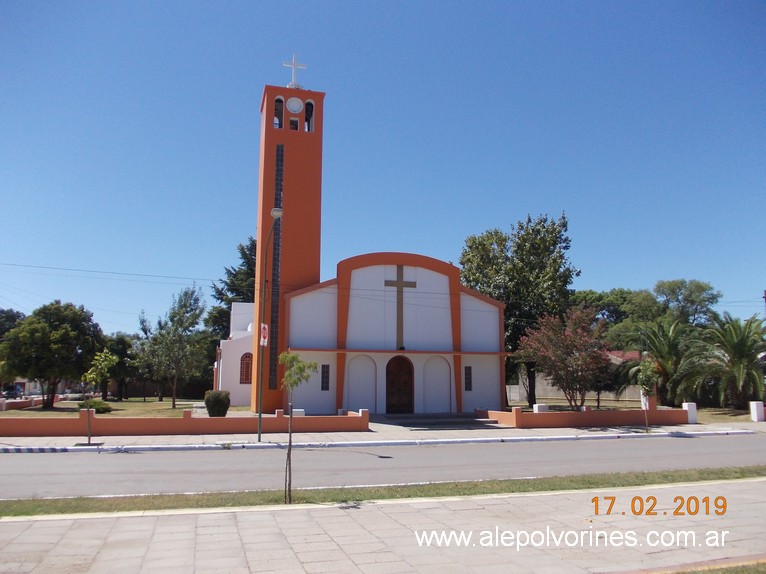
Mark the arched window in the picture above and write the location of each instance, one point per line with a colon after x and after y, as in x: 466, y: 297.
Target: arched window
x: 279, y: 112
x: 308, y: 125
x: 246, y: 369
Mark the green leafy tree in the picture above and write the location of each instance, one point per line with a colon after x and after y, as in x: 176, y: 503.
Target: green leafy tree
x: 9, y: 318
x: 641, y: 309
x: 729, y: 358
x: 570, y: 352
x: 527, y: 270
x: 121, y: 345
x: 609, y: 305
x: 237, y: 286
x: 176, y: 346
x: 56, y: 343
x: 626, y: 313
x: 689, y: 301
x: 297, y: 372
x: 145, y: 360
x: 98, y: 374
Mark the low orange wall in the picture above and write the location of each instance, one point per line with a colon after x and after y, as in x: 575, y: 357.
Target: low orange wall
x: 575, y: 419
x: 187, y: 425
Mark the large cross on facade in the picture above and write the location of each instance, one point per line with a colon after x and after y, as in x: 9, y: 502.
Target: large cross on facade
x: 400, y: 285
x: 295, y: 66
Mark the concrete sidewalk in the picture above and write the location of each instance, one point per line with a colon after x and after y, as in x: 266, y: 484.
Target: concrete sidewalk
x: 383, y: 431
x: 541, y: 533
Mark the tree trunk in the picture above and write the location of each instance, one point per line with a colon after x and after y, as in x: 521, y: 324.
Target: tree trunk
x: 175, y: 386
x: 48, y: 390
x: 104, y: 390
x: 531, y: 393
x: 289, y: 460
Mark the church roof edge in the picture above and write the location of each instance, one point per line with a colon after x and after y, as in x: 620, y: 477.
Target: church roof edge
x: 397, y: 258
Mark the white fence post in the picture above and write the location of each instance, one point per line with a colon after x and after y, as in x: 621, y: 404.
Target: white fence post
x: 691, y: 410
x: 756, y: 411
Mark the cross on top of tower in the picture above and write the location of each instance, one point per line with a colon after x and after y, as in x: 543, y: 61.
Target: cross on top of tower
x: 295, y: 66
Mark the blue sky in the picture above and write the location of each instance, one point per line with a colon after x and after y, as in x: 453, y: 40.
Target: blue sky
x: 129, y: 138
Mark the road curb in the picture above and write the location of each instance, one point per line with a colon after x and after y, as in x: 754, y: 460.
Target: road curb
x: 370, y: 443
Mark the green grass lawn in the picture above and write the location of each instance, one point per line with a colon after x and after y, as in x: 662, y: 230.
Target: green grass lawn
x: 355, y: 495
x: 135, y: 407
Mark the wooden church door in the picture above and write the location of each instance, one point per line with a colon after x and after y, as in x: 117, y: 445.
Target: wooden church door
x: 400, y: 395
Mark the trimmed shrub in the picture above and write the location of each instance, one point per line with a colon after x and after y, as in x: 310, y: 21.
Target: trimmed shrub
x: 217, y: 403
x: 97, y: 405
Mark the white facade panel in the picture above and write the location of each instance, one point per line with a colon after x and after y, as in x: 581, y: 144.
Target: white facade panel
x: 437, y: 386
x: 372, y: 322
x: 480, y: 325
x: 427, y: 317
x: 310, y: 396
x: 372, y: 309
x: 361, y: 384
x: 313, y: 319
x: 485, y: 393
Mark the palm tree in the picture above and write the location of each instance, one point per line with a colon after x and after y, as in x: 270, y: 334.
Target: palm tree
x: 730, y: 357
x: 667, y: 349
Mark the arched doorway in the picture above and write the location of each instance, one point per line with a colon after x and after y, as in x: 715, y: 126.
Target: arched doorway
x: 400, y: 396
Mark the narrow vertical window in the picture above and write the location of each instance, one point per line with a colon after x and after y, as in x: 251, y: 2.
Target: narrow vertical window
x: 309, y: 119
x: 325, y: 378
x: 279, y: 112
x: 276, y: 259
x: 246, y: 369
x: 468, y: 379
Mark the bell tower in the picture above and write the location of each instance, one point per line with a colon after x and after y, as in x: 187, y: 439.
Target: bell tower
x: 289, y: 221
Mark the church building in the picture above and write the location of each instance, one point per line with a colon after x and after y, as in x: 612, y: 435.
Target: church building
x: 394, y: 333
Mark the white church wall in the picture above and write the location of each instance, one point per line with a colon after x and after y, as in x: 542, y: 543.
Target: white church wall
x: 228, y: 371
x: 438, y: 390
x: 479, y: 325
x: 372, y: 309
x: 360, y: 387
x: 313, y: 319
x: 310, y: 396
x: 241, y: 319
x: 485, y: 393
x: 427, y: 315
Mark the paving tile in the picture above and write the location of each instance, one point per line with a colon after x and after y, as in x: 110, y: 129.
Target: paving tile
x: 10, y: 566
x: 382, y: 556
x: 387, y: 568
x: 331, y: 566
x: 307, y: 556
x: 122, y: 566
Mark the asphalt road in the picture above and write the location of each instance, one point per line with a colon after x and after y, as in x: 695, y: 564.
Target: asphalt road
x: 75, y: 474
